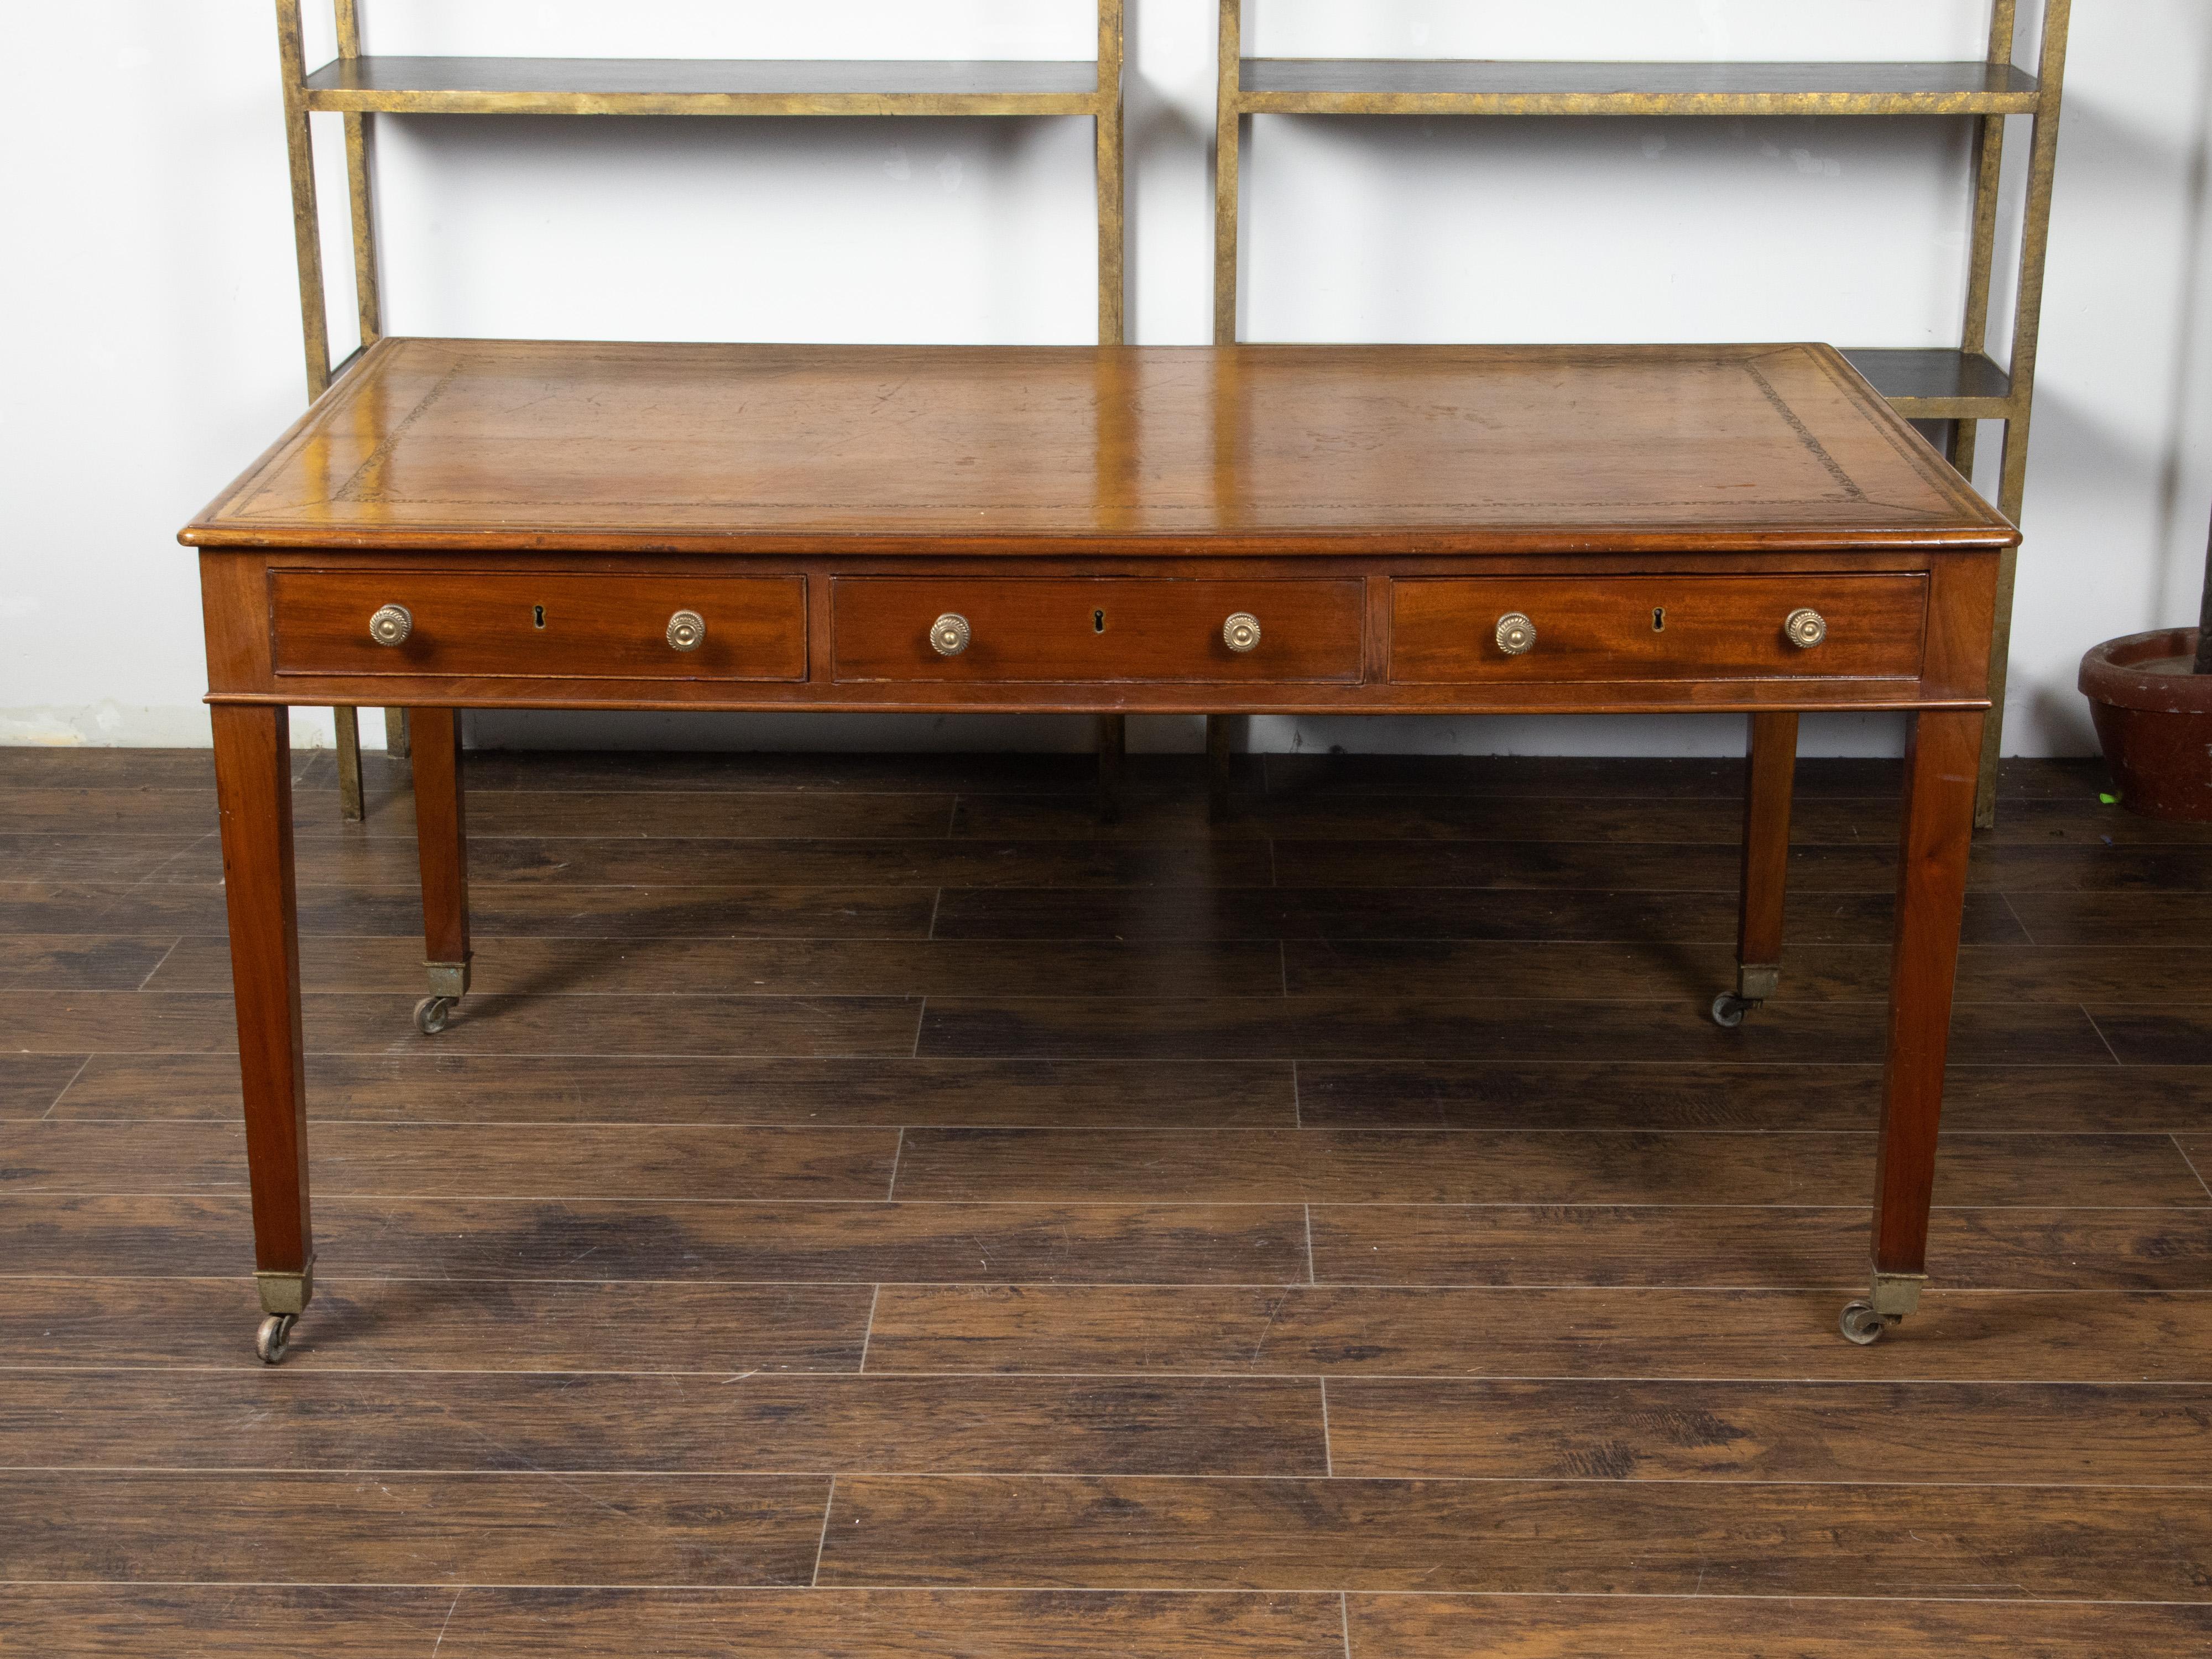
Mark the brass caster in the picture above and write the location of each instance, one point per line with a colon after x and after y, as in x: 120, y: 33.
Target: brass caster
x: 1861, y: 1324
x: 433, y: 1015
x: 1729, y: 1010
x: 274, y: 1337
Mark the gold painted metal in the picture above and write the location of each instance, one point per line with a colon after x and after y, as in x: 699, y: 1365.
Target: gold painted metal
x: 1228, y: 145
x: 1989, y: 170
x: 1805, y: 628
x: 1517, y: 634
x: 450, y: 102
x: 287, y: 1292
x: 368, y: 284
x: 306, y: 235
x: 348, y: 89
x: 1113, y: 277
x: 1241, y: 632
x: 1756, y: 982
x: 1980, y: 389
x: 391, y: 625
x: 687, y: 631
x: 2027, y: 312
x: 449, y: 979
x: 1896, y: 1295
x: 368, y: 290
x: 950, y: 634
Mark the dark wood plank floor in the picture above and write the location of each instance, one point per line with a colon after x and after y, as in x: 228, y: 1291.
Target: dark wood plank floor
x: 870, y: 1208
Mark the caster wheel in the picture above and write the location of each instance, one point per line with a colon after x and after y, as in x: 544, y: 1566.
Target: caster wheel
x: 433, y: 1015
x: 274, y: 1337
x: 1729, y: 1010
x: 1861, y: 1324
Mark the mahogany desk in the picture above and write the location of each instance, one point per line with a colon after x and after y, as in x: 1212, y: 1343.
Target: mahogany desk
x: 1324, y: 529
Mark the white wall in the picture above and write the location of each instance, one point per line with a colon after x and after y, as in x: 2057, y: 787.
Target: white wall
x: 153, y: 346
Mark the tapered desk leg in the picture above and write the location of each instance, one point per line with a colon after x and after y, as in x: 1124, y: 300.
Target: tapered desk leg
x: 352, y: 804
x: 253, y: 790
x: 1942, y: 768
x: 1113, y: 749
x: 1221, y: 793
x: 441, y: 842
x: 1772, y: 773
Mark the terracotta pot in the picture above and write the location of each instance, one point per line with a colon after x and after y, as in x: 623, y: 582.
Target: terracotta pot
x: 2154, y: 719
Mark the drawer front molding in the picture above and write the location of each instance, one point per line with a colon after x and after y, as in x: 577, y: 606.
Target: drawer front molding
x: 1093, y: 631
x: 1462, y: 630
x: 498, y: 625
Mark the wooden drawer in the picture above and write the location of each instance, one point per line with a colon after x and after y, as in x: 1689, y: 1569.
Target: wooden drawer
x: 1096, y: 629
x: 477, y: 625
x: 1444, y: 631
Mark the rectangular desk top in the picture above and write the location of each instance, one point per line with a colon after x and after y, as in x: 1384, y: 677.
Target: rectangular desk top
x: 507, y: 445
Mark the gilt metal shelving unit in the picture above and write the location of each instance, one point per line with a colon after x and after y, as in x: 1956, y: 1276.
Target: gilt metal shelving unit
x: 1961, y: 387
x: 359, y: 87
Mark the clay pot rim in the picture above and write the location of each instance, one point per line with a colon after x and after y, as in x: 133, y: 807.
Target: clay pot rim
x: 2106, y: 676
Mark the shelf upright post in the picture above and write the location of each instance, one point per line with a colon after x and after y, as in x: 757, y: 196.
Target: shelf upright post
x: 367, y: 290
x: 2027, y: 316
x: 1989, y: 172
x: 314, y: 318
x: 368, y: 293
x: 1229, y: 119
x: 1112, y: 730
x: 1228, y: 137
x: 306, y: 241
x: 1113, y: 276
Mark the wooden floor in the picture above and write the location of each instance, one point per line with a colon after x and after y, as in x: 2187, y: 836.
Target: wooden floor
x: 870, y: 1209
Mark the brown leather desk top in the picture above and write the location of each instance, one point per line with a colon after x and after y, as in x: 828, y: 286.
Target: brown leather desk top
x: 1272, y: 450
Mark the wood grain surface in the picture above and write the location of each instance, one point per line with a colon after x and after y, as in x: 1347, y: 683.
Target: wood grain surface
x: 1360, y: 1269
x: 1265, y: 449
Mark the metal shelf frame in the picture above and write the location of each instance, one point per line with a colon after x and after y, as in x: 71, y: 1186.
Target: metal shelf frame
x: 359, y: 87
x: 1961, y: 387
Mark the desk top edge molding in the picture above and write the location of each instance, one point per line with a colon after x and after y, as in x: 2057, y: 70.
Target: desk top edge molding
x: 1182, y: 388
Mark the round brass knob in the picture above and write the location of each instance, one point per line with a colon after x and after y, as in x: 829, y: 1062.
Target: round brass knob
x: 1241, y: 632
x: 687, y: 631
x: 390, y: 625
x: 949, y: 635
x: 1517, y: 634
x: 1805, y: 628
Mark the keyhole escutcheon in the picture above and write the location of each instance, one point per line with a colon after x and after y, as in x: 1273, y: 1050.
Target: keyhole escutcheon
x: 1659, y: 619
x: 1098, y: 622
x: 537, y: 615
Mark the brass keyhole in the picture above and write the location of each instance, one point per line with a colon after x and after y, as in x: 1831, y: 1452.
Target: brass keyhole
x: 537, y: 615
x: 1098, y: 622
x: 1659, y: 619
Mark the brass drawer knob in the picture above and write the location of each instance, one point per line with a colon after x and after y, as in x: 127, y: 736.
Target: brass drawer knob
x: 1805, y: 628
x: 1241, y: 632
x: 391, y: 625
x: 1517, y: 634
x: 949, y: 635
x: 687, y: 631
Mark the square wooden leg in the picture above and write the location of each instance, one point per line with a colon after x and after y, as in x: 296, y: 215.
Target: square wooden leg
x: 253, y: 790
x: 352, y: 806
x: 1220, y: 783
x: 1765, y: 876
x: 1113, y: 750
x: 1942, y: 771
x: 442, y: 843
